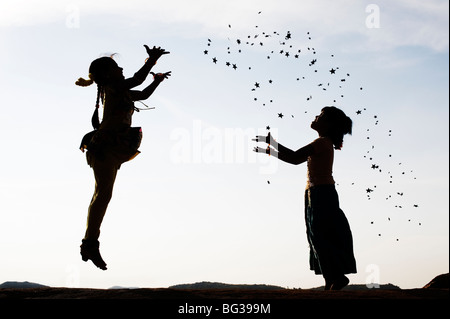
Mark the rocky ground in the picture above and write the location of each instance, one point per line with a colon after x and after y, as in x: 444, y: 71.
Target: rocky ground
x: 222, y: 294
x: 228, y: 303
x: 221, y: 303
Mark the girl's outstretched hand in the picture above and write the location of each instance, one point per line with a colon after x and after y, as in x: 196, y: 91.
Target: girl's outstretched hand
x: 266, y: 139
x: 155, y: 52
x: 161, y: 76
x: 267, y: 150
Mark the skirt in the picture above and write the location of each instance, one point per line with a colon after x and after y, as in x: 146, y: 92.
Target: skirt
x: 328, y: 232
x: 121, y: 144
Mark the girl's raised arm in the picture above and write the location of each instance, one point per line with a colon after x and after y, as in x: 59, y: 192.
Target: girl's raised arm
x: 139, y: 77
x: 145, y: 93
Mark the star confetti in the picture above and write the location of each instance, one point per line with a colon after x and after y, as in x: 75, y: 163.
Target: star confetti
x: 279, y: 63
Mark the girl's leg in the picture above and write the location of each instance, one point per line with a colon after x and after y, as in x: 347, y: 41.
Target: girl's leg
x: 339, y: 282
x: 105, y: 174
x: 328, y: 283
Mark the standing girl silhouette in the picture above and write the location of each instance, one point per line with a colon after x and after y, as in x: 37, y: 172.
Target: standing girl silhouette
x: 113, y: 141
x: 328, y: 232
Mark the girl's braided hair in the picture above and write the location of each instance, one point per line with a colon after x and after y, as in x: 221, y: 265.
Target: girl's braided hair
x: 98, y: 72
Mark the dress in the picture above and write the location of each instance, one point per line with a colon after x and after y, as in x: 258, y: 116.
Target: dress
x: 328, y: 231
x: 114, y: 143
x: 115, y: 138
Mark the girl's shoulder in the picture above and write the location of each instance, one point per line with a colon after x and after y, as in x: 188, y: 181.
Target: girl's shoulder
x: 323, y: 140
x: 322, y: 143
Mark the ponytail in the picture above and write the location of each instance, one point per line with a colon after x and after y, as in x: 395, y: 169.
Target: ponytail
x: 84, y: 82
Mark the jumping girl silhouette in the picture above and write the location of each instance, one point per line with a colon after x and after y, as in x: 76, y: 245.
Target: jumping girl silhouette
x: 113, y: 141
x: 328, y: 232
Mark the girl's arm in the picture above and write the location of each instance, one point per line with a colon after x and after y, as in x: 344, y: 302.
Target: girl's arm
x: 139, y: 77
x: 283, y: 153
x: 297, y: 157
x: 145, y: 93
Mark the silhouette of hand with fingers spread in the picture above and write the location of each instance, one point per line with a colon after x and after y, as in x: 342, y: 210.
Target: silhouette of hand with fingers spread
x: 156, y: 52
x: 262, y: 150
x: 267, y: 139
x: 161, y: 76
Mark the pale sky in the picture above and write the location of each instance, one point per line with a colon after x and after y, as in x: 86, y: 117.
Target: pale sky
x: 196, y: 205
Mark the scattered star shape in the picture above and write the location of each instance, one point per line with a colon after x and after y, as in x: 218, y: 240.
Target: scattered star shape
x: 281, y: 44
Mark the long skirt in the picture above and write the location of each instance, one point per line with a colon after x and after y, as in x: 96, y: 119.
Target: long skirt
x: 328, y: 232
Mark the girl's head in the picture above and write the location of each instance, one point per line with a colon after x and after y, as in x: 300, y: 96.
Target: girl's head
x: 105, y: 70
x: 102, y: 71
x: 333, y: 123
